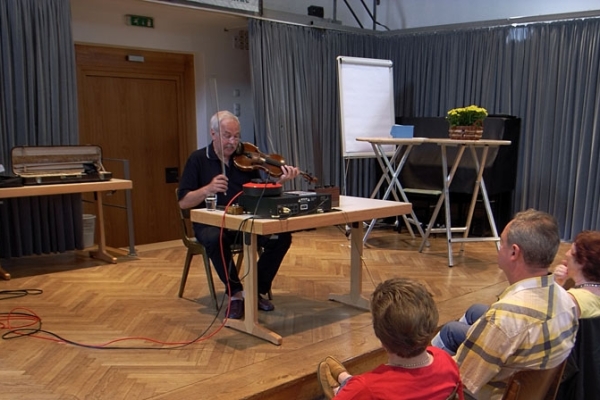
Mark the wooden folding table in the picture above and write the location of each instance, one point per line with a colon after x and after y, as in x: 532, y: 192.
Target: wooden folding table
x: 69, y: 188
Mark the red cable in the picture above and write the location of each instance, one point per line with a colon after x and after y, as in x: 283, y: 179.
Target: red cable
x: 33, y: 322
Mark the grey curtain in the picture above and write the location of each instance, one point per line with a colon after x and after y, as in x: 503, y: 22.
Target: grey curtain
x: 545, y: 73
x: 38, y: 108
x: 294, y: 82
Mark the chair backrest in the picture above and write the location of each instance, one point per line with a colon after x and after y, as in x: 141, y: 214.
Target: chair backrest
x: 188, y: 237
x: 538, y: 384
x: 184, y: 215
x: 454, y: 395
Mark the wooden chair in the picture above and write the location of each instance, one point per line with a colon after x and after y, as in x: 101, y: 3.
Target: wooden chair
x: 532, y: 384
x: 454, y: 395
x: 196, y: 249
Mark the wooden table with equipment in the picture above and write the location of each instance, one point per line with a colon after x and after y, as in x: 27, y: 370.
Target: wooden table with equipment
x: 352, y: 210
x: 69, y: 188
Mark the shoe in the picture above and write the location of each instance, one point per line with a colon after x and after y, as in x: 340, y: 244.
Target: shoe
x: 236, y: 309
x: 264, y: 304
x: 335, y: 367
x: 327, y: 381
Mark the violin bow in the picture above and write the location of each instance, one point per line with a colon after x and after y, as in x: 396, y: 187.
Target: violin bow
x: 223, y: 170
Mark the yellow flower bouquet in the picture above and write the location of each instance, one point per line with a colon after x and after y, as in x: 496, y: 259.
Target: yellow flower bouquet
x: 466, y: 123
x: 466, y: 116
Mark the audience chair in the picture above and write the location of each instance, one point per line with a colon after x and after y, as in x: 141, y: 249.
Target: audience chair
x: 196, y: 249
x: 454, y: 395
x: 540, y: 384
x: 581, y: 379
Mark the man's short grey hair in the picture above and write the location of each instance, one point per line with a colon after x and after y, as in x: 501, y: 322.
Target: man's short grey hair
x: 219, y: 117
x: 536, y: 234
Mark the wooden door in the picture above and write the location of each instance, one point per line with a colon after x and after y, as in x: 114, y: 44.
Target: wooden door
x: 141, y: 112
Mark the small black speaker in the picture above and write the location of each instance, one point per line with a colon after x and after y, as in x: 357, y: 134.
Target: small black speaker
x: 316, y: 11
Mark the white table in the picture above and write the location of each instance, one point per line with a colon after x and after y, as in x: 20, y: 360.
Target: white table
x: 69, y: 188
x: 392, y: 171
x: 352, y: 210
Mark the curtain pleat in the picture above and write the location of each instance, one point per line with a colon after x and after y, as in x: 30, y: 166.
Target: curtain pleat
x: 38, y: 108
x: 294, y: 81
x: 544, y: 73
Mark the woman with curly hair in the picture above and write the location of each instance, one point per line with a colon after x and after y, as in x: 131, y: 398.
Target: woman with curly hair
x: 582, y: 265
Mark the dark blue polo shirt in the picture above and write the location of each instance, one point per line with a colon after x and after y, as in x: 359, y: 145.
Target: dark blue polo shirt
x: 203, y: 165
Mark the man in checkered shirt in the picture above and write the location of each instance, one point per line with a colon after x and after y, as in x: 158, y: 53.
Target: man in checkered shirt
x: 533, y: 323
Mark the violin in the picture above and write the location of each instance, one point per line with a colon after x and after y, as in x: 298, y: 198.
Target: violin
x: 248, y: 157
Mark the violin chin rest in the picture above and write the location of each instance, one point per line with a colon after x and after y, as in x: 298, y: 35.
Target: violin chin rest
x: 239, y: 150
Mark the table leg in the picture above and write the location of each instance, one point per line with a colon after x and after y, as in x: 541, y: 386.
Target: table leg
x: 391, y: 175
x: 479, y: 167
x: 101, y: 253
x: 250, y: 322
x: 387, y: 169
x: 429, y: 229
x: 445, y: 200
x: 480, y: 184
x: 447, y: 181
x: 400, y: 188
x: 4, y: 274
x: 355, y: 297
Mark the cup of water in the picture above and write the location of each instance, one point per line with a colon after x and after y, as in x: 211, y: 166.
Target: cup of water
x: 211, y: 202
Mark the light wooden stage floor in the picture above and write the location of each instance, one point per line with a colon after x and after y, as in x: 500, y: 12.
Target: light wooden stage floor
x: 92, y: 303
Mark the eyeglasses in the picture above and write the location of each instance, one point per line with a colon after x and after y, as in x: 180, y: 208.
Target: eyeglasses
x: 230, y: 138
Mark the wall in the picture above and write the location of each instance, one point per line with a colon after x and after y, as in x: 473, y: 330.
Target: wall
x: 207, y: 35
x: 403, y: 14
x: 420, y: 13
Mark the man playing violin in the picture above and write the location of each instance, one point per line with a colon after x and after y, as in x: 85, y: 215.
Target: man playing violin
x: 211, y: 170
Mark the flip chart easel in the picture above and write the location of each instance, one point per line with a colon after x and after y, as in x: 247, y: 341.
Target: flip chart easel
x: 366, y: 90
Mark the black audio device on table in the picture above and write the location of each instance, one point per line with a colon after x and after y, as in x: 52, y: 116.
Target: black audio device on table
x: 287, y: 204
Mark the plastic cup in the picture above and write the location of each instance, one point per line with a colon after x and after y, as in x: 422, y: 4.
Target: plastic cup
x: 211, y: 202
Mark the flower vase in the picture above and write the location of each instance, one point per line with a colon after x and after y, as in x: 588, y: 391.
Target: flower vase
x: 471, y: 132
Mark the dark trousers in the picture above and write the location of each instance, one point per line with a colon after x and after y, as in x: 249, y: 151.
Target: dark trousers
x: 274, y: 249
x: 454, y: 333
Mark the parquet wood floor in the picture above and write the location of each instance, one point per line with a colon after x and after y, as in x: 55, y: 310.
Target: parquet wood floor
x: 92, y: 303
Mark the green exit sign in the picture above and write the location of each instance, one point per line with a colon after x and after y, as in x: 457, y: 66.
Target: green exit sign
x: 140, y: 20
